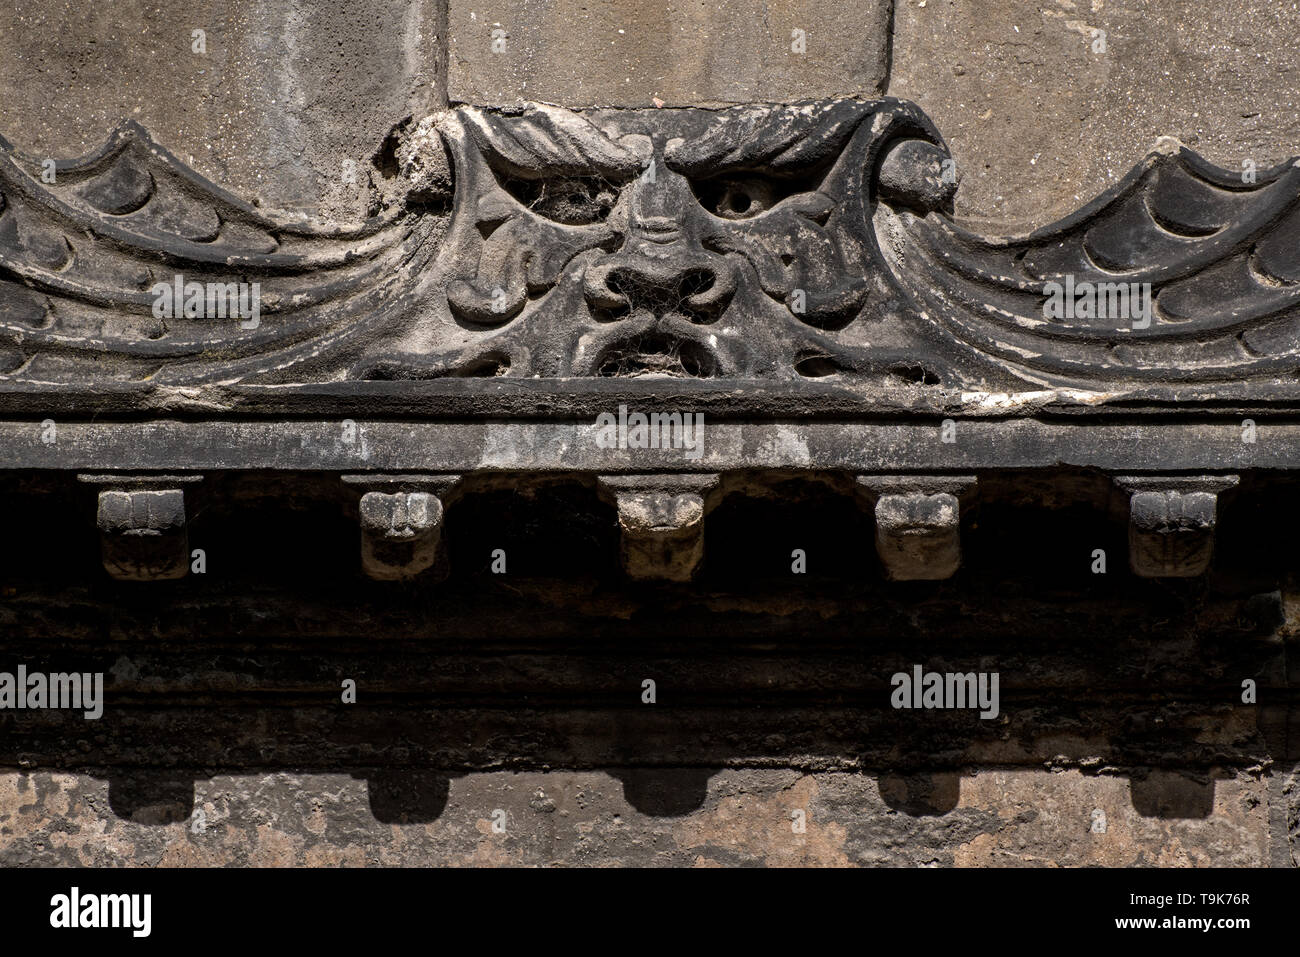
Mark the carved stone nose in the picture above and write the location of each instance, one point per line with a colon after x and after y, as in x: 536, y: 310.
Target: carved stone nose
x: 697, y: 287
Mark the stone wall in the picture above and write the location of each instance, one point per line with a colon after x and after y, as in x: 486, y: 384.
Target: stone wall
x: 501, y: 723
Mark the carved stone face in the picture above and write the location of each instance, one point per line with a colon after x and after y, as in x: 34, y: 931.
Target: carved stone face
x: 653, y: 242
x: 534, y: 243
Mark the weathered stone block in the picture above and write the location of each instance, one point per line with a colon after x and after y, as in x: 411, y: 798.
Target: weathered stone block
x: 401, y: 518
x: 399, y: 533
x: 662, y: 523
x: 143, y: 534
x: 1171, y: 523
x: 666, y: 52
x: 918, y: 536
x: 284, y: 103
x: 1040, y: 101
x: 918, y: 524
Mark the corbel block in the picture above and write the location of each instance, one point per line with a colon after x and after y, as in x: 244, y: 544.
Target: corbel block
x: 1171, y: 522
x: 401, y: 518
x: 918, y: 523
x: 661, y: 521
x: 142, y: 526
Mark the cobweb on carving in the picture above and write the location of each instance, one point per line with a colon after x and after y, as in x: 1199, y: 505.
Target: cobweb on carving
x: 664, y: 344
x: 571, y: 200
x: 651, y: 354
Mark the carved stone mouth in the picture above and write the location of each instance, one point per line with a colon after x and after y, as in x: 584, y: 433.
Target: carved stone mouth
x: 647, y: 345
x: 657, y: 353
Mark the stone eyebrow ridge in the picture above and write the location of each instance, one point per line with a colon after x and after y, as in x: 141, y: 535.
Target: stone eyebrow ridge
x: 548, y: 141
x: 780, y: 139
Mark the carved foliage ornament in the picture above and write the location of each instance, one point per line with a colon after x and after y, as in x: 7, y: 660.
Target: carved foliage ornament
x: 757, y: 242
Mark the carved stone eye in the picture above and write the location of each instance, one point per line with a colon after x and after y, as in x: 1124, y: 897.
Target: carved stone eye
x: 571, y: 200
x: 744, y: 195
x: 738, y: 197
